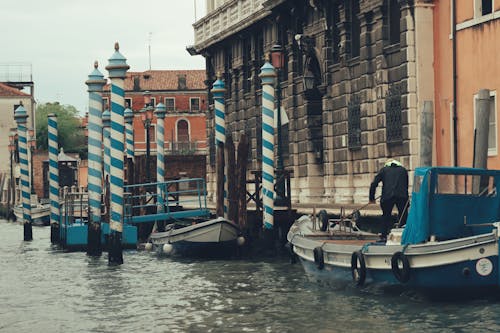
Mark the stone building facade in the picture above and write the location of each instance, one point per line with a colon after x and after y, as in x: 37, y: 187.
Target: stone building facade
x: 363, y: 105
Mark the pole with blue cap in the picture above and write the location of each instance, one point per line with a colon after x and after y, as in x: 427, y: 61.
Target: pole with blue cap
x: 117, y: 69
x: 95, y: 84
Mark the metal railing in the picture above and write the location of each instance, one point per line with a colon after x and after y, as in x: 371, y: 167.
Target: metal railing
x: 165, y: 201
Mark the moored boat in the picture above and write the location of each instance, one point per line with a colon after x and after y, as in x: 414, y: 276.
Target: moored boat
x: 217, y: 237
x: 40, y: 214
x: 450, y: 240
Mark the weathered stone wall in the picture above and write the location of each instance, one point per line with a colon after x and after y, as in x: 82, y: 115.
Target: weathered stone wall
x: 325, y: 166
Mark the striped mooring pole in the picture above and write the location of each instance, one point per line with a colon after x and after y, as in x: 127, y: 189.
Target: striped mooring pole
x: 117, y: 69
x: 268, y: 76
x: 106, y: 123
x: 218, y: 91
x: 21, y: 117
x: 55, y: 211
x: 160, y: 157
x: 95, y: 84
x: 129, y: 132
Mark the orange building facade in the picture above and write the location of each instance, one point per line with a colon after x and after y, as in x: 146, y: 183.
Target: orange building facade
x: 185, y: 96
x: 466, y: 49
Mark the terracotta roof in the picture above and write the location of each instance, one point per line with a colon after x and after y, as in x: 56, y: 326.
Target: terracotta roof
x: 157, y: 80
x: 8, y: 91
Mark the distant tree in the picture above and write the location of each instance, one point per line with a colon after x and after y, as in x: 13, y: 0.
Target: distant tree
x: 71, y: 135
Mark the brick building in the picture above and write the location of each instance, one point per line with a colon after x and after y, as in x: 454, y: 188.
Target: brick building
x: 349, y: 84
x: 184, y: 94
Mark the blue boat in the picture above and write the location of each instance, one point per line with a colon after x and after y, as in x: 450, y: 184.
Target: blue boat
x: 450, y: 241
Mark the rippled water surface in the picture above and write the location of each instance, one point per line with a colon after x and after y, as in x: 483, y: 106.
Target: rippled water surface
x: 46, y: 290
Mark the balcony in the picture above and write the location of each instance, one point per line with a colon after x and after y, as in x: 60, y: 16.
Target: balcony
x: 183, y: 148
x: 227, y: 20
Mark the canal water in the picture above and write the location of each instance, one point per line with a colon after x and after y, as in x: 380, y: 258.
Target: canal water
x: 46, y: 290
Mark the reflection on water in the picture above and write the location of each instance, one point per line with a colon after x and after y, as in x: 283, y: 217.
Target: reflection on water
x: 46, y: 290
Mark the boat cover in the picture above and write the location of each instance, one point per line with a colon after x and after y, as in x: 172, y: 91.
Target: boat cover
x: 449, y: 211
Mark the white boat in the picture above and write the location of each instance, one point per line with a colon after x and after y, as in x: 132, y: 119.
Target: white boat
x: 40, y: 214
x: 213, y: 238
x: 450, y: 242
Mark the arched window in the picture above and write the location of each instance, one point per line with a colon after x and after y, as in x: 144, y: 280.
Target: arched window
x: 182, y: 131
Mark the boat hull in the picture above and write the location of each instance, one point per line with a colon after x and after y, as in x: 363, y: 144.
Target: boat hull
x: 470, y: 262
x: 40, y: 215
x: 213, y: 238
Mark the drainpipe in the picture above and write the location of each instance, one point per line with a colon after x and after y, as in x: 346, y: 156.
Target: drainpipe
x: 454, y: 61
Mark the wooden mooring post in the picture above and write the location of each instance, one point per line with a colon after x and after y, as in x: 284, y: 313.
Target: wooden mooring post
x: 241, y: 171
x: 220, y: 180
x: 232, y: 209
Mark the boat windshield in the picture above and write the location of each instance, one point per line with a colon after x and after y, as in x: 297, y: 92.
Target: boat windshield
x: 465, y: 184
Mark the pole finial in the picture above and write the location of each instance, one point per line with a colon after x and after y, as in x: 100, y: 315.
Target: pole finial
x: 266, y: 57
x: 96, y: 64
x: 117, y: 46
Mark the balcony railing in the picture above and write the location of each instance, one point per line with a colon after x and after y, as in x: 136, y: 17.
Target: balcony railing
x: 227, y: 19
x: 182, y: 148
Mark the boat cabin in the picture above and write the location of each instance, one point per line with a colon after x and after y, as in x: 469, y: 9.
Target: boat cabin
x: 451, y: 202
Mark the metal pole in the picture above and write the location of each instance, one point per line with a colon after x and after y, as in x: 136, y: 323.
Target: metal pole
x: 117, y: 69
x: 95, y: 84
x: 21, y: 116
x: 268, y: 77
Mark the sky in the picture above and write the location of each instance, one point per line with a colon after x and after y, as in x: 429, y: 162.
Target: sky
x: 61, y: 39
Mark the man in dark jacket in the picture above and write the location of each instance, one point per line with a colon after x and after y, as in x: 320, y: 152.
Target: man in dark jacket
x: 394, y: 178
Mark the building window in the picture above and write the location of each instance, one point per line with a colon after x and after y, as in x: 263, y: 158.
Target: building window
x: 492, y: 128
x: 247, y: 67
x: 105, y: 103
x: 483, y: 7
x: 393, y: 117
x: 194, y: 104
x: 335, y: 18
x: 182, y: 131
x: 170, y: 104
x: 128, y: 102
x: 394, y: 13
x: 258, y: 56
x: 152, y: 102
x: 354, y: 123
x: 228, y: 65
x: 355, y: 30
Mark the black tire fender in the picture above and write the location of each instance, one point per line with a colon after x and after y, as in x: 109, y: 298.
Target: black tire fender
x: 319, y: 258
x: 323, y: 218
x: 400, y: 267
x: 358, y: 268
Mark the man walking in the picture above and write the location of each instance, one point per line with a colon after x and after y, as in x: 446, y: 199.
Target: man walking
x: 394, y: 178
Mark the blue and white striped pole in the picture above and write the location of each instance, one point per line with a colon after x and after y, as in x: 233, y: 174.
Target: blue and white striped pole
x: 21, y: 117
x: 95, y: 84
x: 106, y: 123
x: 55, y: 211
x: 117, y: 69
x: 160, y: 156
x: 129, y: 132
x: 218, y: 92
x: 268, y: 77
